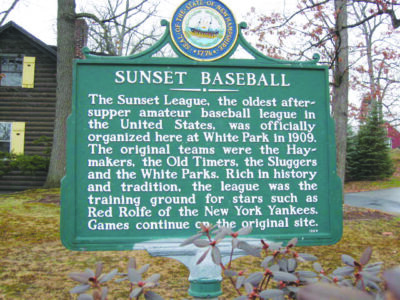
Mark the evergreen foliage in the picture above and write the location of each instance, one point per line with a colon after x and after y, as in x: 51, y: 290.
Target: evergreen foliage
x: 370, y: 160
x: 351, y: 154
x: 25, y: 163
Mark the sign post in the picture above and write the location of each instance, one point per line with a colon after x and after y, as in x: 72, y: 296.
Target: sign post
x: 158, y: 145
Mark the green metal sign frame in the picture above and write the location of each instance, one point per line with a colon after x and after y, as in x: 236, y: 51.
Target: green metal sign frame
x: 261, y: 131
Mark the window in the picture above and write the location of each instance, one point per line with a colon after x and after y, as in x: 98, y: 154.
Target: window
x: 12, y: 137
x: 11, y: 70
x: 5, y: 137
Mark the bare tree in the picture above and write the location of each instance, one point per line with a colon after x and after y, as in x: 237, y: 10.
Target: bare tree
x: 65, y: 56
x: 120, y: 37
x: 4, y: 14
x: 376, y: 72
x: 340, y: 95
x: 121, y: 27
x: 325, y: 28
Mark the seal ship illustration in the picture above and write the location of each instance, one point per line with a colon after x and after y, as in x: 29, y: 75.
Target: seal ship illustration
x: 203, y: 31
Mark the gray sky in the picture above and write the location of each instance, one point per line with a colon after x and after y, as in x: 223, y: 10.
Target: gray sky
x: 39, y: 16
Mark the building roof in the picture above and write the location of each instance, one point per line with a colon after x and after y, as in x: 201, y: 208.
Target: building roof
x: 41, y: 45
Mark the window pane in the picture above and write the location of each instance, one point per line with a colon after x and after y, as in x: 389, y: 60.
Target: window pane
x: 12, y: 79
x: 11, y: 67
x: 5, y: 131
x: 4, y: 146
x: 4, y: 64
x: 17, y: 64
x: 11, y: 64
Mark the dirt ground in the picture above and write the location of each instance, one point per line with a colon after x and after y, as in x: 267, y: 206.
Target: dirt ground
x: 358, y: 213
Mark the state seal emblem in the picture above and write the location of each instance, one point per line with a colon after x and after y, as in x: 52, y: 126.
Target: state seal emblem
x: 204, y: 30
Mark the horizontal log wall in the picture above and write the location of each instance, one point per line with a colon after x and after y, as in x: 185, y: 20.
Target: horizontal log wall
x: 35, y: 106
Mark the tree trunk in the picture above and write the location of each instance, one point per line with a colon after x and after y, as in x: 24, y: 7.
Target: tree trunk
x: 65, y: 56
x: 341, y: 85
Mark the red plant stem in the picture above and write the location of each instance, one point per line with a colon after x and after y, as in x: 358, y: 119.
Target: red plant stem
x: 230, y: 258
x: 234, y: 285
x: 96, y: 285
x: 138, y: 296
x: 363, y: 284
x: 208, y: 236
x: 266, y: 285
x: 265, y: 249
x: 100, y: 289
x: 360, y: 268
x: 262, y: 283
x: 231, y: 279
x: 222, y: 266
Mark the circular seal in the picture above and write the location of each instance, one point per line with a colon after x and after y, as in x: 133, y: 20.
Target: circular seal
x: 204, y: 30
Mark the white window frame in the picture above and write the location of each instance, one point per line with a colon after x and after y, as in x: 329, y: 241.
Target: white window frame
x: 9, y: 136
x: 17, y: 56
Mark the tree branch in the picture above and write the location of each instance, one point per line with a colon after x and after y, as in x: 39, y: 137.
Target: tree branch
x: 7, y: 12
x: 313, y: 5
x: 382, y: 10
x: 136, y: 7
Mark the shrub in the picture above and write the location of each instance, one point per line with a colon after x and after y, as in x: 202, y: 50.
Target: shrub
x: 279, y: 277
x: 5, y: 163
x: 25, y: 163
x: 370, y: 160
x: 30, y: 163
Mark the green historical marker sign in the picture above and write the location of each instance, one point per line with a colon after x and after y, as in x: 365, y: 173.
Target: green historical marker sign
x: 158, y: 145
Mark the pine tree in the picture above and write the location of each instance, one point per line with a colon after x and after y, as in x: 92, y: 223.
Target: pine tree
x: 351, y: 154
x: 371, y: 160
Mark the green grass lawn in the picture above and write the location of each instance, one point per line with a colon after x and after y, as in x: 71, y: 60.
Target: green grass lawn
x: 34, y: 264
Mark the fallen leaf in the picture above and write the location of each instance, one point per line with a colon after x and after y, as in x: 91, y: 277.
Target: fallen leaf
x: 387, y: 233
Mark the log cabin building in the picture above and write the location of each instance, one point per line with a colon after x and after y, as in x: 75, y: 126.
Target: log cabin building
x: 27, y: 98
